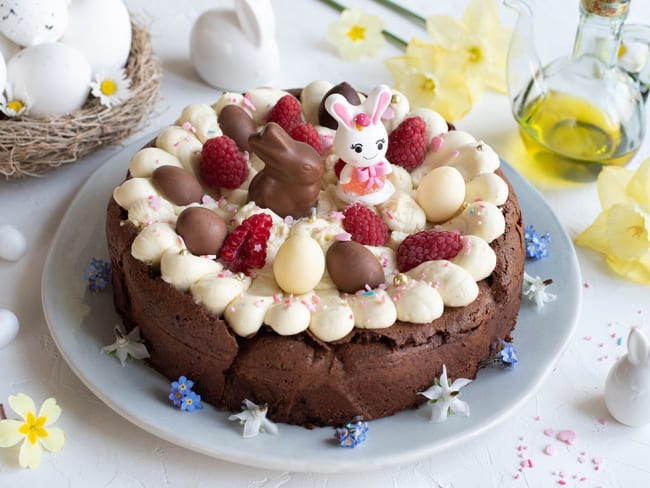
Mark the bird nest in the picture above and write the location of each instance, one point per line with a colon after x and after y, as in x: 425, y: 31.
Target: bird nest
x: 33, y: 146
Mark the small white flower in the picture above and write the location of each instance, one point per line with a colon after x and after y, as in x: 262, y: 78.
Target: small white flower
x: 14, y: 103
x: 443, y: 396
x: 111, y: 88
x: 127, y: 345
x: 253, y: 417
x: 535, y: 290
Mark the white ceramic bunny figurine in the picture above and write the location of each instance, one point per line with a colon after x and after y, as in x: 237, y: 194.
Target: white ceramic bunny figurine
x: 361, y: 141
x: 627, y: 388
x: 235, y: 50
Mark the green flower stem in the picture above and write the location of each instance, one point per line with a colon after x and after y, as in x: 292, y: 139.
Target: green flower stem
x: 398, y: 41
x: 402, y: 11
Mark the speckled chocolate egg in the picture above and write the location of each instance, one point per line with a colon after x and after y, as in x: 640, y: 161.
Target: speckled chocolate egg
x: 299, y: 264
x: 235, y: 122
x: 202, y: 230
x: 350, y: 94
x: 351, y: 266
x: 177, y: 185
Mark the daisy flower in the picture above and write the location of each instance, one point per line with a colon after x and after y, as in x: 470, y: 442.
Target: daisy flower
x: 356, y: 34
x: 14, y: 103
x: 443, y: 396
x: 111, y: 88
x: 34, y: 430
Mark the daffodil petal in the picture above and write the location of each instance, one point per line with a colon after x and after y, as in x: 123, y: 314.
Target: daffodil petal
x: 612, y: 182
x: 627, y: 230
x: 638, y: 270
x: 50, y: 410
x: 481, y: 16
x: 9, y: 434
x: 595, y: 236
x: 447, y: 31
x: 30, y: 454
x: 638, y: 187
x: 54, y: 440
x: 22, y: 404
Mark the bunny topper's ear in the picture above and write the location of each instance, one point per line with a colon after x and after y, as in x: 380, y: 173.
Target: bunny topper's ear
x: 377, y: 102
x: 339, y: 108
x: 638, y: 347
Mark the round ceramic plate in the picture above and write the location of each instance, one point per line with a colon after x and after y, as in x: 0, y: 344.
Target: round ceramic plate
x: 81, y: 322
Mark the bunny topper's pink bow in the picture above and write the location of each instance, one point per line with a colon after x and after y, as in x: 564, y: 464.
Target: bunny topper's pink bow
x: 372, y: 174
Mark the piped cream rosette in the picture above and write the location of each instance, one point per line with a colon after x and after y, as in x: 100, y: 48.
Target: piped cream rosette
x: 455, y: 189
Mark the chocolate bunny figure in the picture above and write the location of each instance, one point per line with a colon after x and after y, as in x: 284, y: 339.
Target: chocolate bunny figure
x: 289, y: 183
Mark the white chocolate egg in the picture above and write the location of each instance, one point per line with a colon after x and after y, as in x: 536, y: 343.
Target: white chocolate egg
x: 487, y: 187
x: 13, y: 244
x: 441, y: 193
x: 8, y: 327
x: 31, y: 22
x: 475, y: 158
x: 147, y: 159
x: 55, y: 78
x: 101, y: 30
x: 299, y: 264
x: 310, y: 98
x: 8, y: 47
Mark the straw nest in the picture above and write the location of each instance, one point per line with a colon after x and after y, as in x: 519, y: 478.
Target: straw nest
x: 33, y: 146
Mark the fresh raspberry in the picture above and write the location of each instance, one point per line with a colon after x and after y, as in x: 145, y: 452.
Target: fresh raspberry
x: 427, y: 245
x: 338, y: 167
x: 245, y: 247
x: 305, y: 132
x: 364, y: 225
x: 286, y: 112
x: 222, y: 165
x: 407, y: 144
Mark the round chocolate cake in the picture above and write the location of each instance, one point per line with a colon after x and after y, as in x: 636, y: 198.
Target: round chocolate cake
x: 320, y: 251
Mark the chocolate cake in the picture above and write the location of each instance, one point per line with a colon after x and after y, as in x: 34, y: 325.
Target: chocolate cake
x: 194, y: 304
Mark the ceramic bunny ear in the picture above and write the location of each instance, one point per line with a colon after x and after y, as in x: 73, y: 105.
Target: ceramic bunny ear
x: 638, y: 347
x: 339, y: 108
x: 256, y: 20
x: 377, y: 101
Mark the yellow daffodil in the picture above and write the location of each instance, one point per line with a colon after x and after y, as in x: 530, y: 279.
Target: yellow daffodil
x: 356, y: 34
x: 435, y: 78
x: 34, y: 430
x: 480, y: 36
x: 622, y: 230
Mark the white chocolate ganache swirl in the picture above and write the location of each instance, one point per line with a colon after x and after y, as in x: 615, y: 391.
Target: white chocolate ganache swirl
x: 455, y: 162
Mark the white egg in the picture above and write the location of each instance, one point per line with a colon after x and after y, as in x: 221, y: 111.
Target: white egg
x: 3, y: 72
x: 101, y: 29
x: 31, y: 22
x: 8, y: 47
x: 8, y: 327
x: 13, y: 244
x: 441, y: 193
x: 299, y: 264
x: 55, y: 77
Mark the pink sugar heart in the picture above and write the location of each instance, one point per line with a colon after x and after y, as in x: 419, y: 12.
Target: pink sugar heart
x: 567, y: 436
x: 549, y: 450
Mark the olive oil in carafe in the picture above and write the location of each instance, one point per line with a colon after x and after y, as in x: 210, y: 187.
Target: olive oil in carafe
x: 564, y: 128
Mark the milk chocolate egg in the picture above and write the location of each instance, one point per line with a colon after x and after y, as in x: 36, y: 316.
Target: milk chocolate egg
x: 299, y: 264
x: 351, y: 266
x: 202, y: 230
x: 235, y: 122
x: 177, y: 185
x: 350, y: 94
x: 441, y: 193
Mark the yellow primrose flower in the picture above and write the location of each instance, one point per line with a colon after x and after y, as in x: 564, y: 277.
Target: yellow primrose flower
x: 622, y: 230
x: 435, y: 78
x: 356, y: 34
x: 480, y: 36
x: 34, y: 430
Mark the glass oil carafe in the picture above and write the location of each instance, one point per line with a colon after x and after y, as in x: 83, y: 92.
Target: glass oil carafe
x: 583, y: 109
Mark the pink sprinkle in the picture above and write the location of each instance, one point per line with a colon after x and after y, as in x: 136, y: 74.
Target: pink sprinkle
x: 337, y: 215
x: 561, y: 482
x: 315, y: 299
x: 549, y: 450
x: 390, y: 215
x: 530, y: 463
x: 586, y: 285
x: 584, y: 478
x: 326, y: 140
x: 177, y: 143
x: 288, y: 220
x: 581, y: 460
x: 601, y: 344
x: 587, y: 338
x: 436, y: 143
x: 537, y: 418
x: 597, y: 468
x: 351, y: 316
x: 597, y: 460
x: 549, y: 432
x: 188, y: 127
x: 276, y: 298
x: 343, y: 236
x: 567, y: 436
x: 248, y: 103
x: 603, y: 421
x: 455, y: 154
x: 523, y: 464
x: 517, y: 476
x: 232, y: 309
x: 382, y: 286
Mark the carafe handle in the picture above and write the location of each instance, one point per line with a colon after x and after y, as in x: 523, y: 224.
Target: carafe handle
x: 634, y: 56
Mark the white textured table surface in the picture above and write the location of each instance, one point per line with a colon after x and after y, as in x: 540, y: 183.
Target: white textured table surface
x: 103, y: 449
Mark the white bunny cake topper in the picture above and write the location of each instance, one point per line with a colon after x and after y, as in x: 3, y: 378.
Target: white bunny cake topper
x: 627, y: 388
x: 361, y: 142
